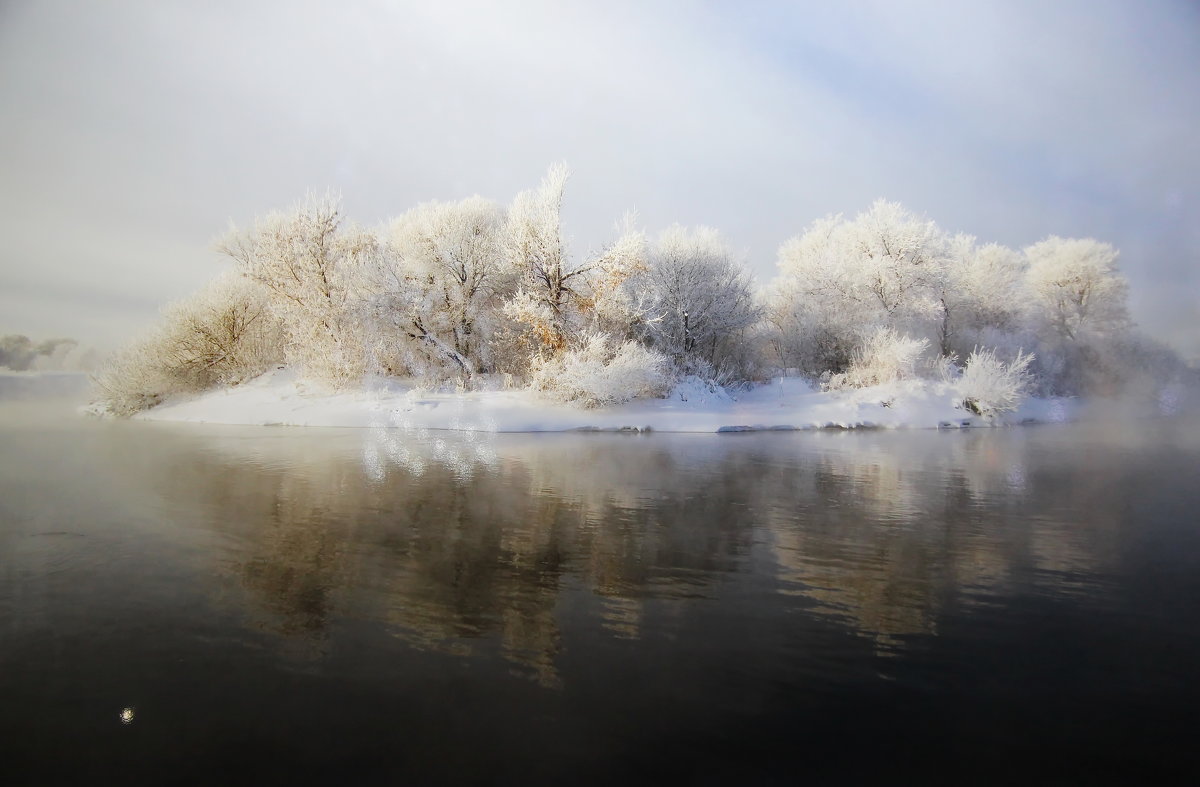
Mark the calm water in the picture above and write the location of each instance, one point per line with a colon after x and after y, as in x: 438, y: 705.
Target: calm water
x: 369, y: 607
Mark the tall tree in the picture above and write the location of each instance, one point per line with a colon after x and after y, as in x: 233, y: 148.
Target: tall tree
x: 556, y: 299
x: 445, y: 269
x: 702, y: 299
x: 841, y: 281
x: 1077, y: 287
x: 311, y: 265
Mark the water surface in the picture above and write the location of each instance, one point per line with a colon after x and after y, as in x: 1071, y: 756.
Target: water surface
x: 204, y: 604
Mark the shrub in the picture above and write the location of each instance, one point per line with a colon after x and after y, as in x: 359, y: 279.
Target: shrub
x: 884, y: 357
x: 596, y: 374
x: 991, y: 387
x: 223, y: 335
x: 132, y: 380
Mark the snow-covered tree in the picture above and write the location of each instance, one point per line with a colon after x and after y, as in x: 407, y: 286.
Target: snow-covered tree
x: 556, y: 300
x: 441, y: 280
x: 983, y: 295
x: 610, y: 304
x: 1077, y: 287
x: 312, y: 267
x: 702, y: 303
x: 1079, y: 313
x: 897, y: 262
x: 223, y: 335
x: 812, y: 305
x: 462, y: 288
x: 534, y: 249
x: 842, y: 280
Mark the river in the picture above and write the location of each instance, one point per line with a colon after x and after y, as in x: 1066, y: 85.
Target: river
x: 207, y: 604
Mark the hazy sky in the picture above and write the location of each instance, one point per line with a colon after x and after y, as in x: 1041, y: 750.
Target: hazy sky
x: 133, y: 133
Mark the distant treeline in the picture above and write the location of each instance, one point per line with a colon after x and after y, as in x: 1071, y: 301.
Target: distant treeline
x: 19, y: 353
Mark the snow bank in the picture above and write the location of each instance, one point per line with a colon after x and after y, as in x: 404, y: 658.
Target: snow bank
x: 279, y: 398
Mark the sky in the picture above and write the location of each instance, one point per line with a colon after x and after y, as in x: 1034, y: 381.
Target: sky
x: 135, y: 133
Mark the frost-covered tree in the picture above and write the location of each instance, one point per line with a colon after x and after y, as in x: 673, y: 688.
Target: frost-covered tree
x: 222, y: 335
x: 897, y: 262
x: 983, y: 295
x: 442, y: 280
x: 312, y: 267
x: 463, y: 288
x: 806, y: 335
x: 812, y: 304
x: 842, y: 280
x: 610, y: 305
x: 534, y: 249
x: 1077, y: 287
x: 702, y: 303
x: 1079, y: 312
x: 557, y: 300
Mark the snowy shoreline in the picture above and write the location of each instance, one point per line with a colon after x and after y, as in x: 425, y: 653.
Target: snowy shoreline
x: 278, y: 398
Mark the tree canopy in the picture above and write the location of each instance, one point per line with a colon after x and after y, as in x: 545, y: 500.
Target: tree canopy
x: 465, y: 291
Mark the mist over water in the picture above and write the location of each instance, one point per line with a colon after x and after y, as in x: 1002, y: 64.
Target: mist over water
x: 372, y: 605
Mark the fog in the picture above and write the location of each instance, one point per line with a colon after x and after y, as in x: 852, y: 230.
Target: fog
x: 136, y: 132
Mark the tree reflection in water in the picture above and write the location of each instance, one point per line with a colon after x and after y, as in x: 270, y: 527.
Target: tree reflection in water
x: 479, y: 544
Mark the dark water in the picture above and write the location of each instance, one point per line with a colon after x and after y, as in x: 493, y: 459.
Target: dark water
x: 358, y: 607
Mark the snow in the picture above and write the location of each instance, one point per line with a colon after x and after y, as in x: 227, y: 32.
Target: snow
x: 280, y: 398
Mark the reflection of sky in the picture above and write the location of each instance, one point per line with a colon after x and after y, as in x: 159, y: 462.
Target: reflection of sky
x: 136, y: 132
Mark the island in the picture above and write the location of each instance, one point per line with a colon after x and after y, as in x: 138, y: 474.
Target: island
x: 474, y: 316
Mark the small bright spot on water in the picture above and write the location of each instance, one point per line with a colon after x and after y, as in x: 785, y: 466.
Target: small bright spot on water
x: 127, y: 716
